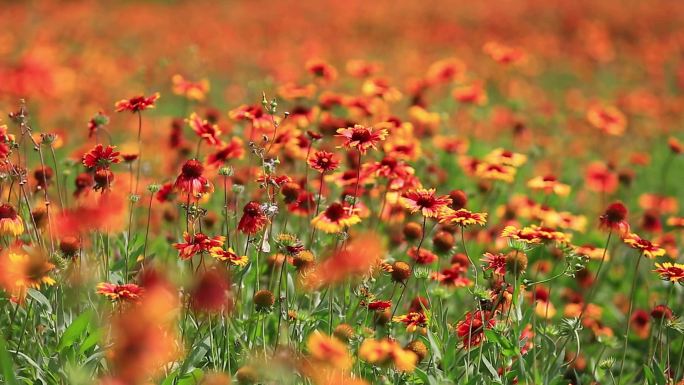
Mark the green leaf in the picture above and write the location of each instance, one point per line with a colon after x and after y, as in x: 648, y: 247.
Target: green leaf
x: 6, y: 363
x: 38, y: 296
x: 75, y: 330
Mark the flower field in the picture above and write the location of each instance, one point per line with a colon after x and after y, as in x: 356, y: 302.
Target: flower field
x: 334, y: 193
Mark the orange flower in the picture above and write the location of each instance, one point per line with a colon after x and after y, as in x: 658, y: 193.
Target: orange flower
x: 386, y: 351
x: 463, y: 217
x: 362, y: 138
x: 548, y: 184
x: 129, y: 292
x: 425, y: 201
x: 137, y: 104
x: 504, y: 54
x: 22, y: 270
x: 473, y: 93
x: 321, y: 70
x: 608, y: 119
x: 189, y: 89
x: 412, y: 320
x: 362, y: 253
x: 648, y: 248
x: 506, y: 157
x: 592, y: 252
x: 446, y: 70
x: 329, y: 350
x: 600, y: 178
x: 490, y: 171
x: 335, y: 218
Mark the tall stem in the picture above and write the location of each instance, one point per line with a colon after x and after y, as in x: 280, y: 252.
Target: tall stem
x: 629, y: 315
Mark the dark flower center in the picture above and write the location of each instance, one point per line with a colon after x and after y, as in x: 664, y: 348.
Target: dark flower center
x: 7, y: 211
x: 193, y: 169
x: 335, y: 212
x: 361, y: 136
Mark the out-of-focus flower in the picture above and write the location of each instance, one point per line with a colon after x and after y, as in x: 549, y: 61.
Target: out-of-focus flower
x: 329, y: 351
x: 321, y: 70
x: 385, y: 352
x: 607, y: 119
x: 211, y: 292
x: 473, y: 93
x: 363, y: 252
x: 233, y: 149
x: 491, y: 171
x: 504, y: 54
x: 204, y: 129
x: 549, y: 185
x: 128, y: 292
x: 600, y: 178
x: 22, y: 270
x: 189, y: 89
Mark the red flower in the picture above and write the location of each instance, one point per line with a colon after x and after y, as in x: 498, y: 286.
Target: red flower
x: 204, y: 129
x: 323, y: 161
x: 211, y: 293
x: 422, y: 256
x: 191, y: 180
x: 137, y: 104
x: 360, y: 137
x: 379, y: 305
x: 230, y: 150
x: 197, y: 243
x: 452, y: 276
x: 166, y: 193
x: 615, y: 218
x: 128, y: 292
x: 100, y: 157
x: 495, y: 263
x: 471, y: 329
x: 253, y: 218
